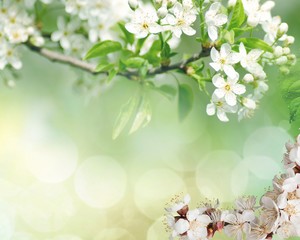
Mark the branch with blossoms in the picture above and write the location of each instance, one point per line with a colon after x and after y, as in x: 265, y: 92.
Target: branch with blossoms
x: 140, y: 41
x: 278, y: 212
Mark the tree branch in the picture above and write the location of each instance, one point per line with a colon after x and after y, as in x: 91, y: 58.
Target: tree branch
x: 59, y: 57
x: 91, y: 68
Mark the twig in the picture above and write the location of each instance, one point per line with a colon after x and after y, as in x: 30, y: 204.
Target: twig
x: 91, y: 68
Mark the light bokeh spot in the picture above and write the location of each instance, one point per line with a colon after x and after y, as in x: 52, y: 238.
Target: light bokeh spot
x: 46, y: 207
x: 267, y: 141
x: 154, y: 189
x: 100, y: 182
x: 262, y: 167
x: 51, y: 160
x: 214, y: 175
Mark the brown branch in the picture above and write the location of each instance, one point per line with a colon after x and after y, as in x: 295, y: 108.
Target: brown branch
x: 59, y: 57
x: 91, y: 68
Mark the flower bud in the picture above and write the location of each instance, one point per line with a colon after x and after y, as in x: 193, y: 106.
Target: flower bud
x: 283, y: 28
x: 162, y: 12
x: 133, y: 4
x: 249, y: 103
x: 284, y: 70
x: 286, y: 50
x: 10, y: 83
x: 282, y: 60
x: 190, y: 71
x: 289, y: 40
x: 248, y: 78
x: 278, y: 51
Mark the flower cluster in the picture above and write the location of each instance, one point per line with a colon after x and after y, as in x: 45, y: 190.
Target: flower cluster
x: 16, y: 27
x: 277, y: 214
x: 89, y: 22
x: 239, y: 78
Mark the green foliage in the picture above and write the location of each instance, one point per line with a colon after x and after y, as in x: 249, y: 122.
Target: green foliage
x: 256, y: 43
x: 185, y: 101
x: 291, y: 93
x: 103, y: 48
x: 238, y: 15
x: 136, y: 109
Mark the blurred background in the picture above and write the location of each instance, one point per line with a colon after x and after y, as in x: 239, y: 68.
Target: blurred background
x: 62, y: 177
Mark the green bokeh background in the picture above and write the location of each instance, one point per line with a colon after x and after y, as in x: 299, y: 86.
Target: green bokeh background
x: 200, y: 156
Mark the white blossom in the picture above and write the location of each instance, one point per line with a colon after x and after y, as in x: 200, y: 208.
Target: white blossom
x: 224, y: 60
x: 144, y: 22
x: 229, y: 89
x: 180, y: 21
x: 214, y: 20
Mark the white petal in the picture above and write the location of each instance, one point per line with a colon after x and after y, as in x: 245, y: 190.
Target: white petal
x: 214, y: 8
x: 213, y: 33
x: 222, y: 116
x: 221, y: 19
x: 189, y: 31
x: 215, y: 55
x: 215, y: 66
x: 56, y: 36
x: 225, y: 50
x: 239, y: 89
x: 211, y: 109
x: 230, y: 71
x: 242, y: 49
x: 220, y: 93
x: 181, y: 226
x: 230, y: 98
x: 192, y: 214
x: 218, y: 81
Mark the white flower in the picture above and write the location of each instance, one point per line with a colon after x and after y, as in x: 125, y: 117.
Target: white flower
x: 214, y: 20
x: 228, y: 89
x: 144, y: 22
x: 179, y: 204
x: 198, y: 227
x: 77, y: 7
x: 220, y: 107
x: 64, y: 32
x: 9, y: 56
x: 286, y: 230
x: 223, y: 60
x: 181, y: 21
x: 257, y: 13
x: 249, y: 61
x: 271, y: 28
x: 270, y: 212
x: 237, y: 226
x: 260, y: 229
x: 246, y: 206
x: 16, y: 34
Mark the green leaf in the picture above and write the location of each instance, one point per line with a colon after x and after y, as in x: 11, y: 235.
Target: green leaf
x: 185, y: 101
x: 256, y: 43
x: 103, y: 48
x: 128, y: 37
x: 104, y: 67
x: 239, y: 31
x: 124, y: 116
x: 143, y: 115
x: 168, y: 91
x: 111, y: 74
x: 291, y: 93
x: 238, y: 15
x: 135, y: 62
